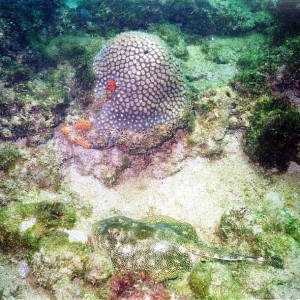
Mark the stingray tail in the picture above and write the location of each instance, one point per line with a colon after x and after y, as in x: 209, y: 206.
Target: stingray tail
x: 210, y: 254
x: 273, y: 261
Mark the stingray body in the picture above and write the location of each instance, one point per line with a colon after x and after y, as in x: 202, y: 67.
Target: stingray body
x: 161, y: 246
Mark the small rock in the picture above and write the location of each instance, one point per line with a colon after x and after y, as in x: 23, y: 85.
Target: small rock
x: 23, y: 269
x: 27, y: 224
x: 76, y: 236
x: 99, y: 268
x: 293, y: 168
x: 274, y: 198
x: 233, y: 122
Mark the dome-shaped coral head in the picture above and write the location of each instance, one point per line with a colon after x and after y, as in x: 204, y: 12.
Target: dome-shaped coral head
x: 145, y: 84
x: 140, y: 94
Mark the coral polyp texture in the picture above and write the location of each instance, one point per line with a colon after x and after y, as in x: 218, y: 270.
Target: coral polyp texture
x: 139, y: 94
x: 149, y: 88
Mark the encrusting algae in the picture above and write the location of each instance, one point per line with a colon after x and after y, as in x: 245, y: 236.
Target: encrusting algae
x: 65, y: 129
x: 75, y: 133
x: 82, y: 125
x: 82, y: 142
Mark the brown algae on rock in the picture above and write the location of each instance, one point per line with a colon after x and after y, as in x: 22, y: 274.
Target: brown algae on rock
x: 9, y: 154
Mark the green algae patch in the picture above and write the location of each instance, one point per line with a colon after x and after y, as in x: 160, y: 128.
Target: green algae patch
x: 173, y: 36
x: 31, y: 110
x: 284, y: 222
x: 199, y: 281
x: 60, y: 244
x: 65, y: 268
x: 253, y: 80
x: 55, y: 215
x: 79, y: 52
x: 265, y: 232
x: 9, y: 154
x: 242, y: 50
x: 273, y: 136
x: 263, y: 65
x: 12, y: 190
x: 292, y: 227
x: 69, y: 270
x: 25, y: 225
x: 66, y: 47
x: 210, y: 122
x: 203, y: 74
x: 38, y: 170
x: 42, y: 169
x: 213, y: 281
x: 276, y: 245
x: 218, y: 60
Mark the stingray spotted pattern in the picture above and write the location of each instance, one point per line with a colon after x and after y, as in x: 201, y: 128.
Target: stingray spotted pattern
x: 139, y: 82
x: 161, y: 246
